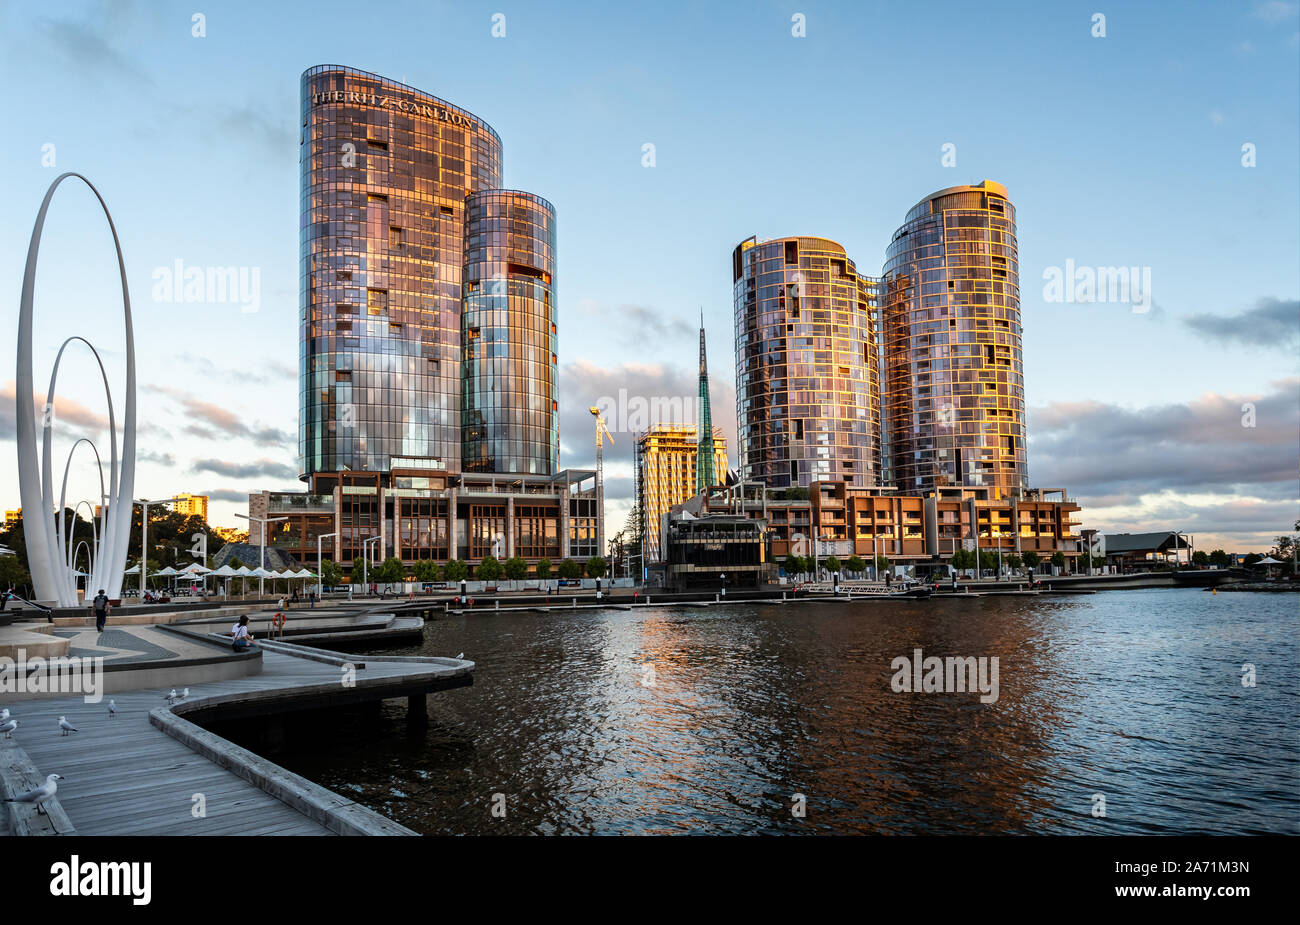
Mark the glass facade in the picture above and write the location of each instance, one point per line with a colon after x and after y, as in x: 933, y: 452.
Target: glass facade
x: 386, y: 170
x: 953, y: 371
x: 510, y: 419
x: 807, y: 386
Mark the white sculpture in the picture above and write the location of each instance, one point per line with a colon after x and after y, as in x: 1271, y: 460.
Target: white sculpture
x: 51, y: 568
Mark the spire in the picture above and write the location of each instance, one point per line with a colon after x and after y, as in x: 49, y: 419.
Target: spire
x: 705, y: 477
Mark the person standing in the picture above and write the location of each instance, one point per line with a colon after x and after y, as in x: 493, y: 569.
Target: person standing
x: 101, y: 610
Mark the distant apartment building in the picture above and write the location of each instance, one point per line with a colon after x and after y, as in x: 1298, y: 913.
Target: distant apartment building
x: 667, y: 463
x: 191, y: 505
x: 807, y: 380
x: 954, y: 387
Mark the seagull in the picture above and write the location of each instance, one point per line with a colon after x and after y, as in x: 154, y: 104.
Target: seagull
x: 184, y: 694
x: 462, y: 655
x: 171, y: 696
x: 40, y: 794
x: 112, y: 709
x: 66, y: 726
x: 8, y: 728
x: 4, y: 715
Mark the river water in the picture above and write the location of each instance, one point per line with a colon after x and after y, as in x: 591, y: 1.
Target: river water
x: 712, y: 720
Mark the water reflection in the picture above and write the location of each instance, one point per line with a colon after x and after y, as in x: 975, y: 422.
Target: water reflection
x: 1135, y: 695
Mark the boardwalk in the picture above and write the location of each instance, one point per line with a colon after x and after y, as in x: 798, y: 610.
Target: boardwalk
x: 126, y: 776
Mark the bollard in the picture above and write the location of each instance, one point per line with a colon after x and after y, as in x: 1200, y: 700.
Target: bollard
x: 575, y: 601
x: 498, y: 603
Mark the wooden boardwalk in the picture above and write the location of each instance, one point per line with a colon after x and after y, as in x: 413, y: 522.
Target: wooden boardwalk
x: 126, y: 776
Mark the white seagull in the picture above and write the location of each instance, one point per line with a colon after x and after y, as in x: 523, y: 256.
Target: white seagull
x: 4, y: 715
x: 8, y: 728
x: 171, y: 695
x: 66, y: 726
x: 40, y: 794
x: 112, y: 708
x: 184, y: 694
x: 462, y: 655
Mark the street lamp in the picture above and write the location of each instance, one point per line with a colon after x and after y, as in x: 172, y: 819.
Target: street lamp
x: 144, y: 537
x: 320, y: 578
x: 261, y: 561
x: 365, y: 561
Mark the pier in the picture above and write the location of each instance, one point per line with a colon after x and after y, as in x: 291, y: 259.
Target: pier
x: 154, y: 770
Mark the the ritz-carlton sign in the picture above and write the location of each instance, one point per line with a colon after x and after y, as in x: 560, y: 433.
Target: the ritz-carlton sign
x: 411, y: 107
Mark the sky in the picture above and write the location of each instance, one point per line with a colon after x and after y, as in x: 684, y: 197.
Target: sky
x: 1123, y: 142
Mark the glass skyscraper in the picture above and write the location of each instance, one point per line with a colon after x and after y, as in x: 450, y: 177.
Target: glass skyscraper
x: 807, y: 387
x: 400, y: 194
x: 954, y: 394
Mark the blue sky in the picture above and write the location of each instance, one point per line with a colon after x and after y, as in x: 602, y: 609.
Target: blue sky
x: 1122, y: 150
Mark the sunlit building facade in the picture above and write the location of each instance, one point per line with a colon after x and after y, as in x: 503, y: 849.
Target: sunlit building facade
x: 953, y: 374
x: 428, y: 425
x: 667, y: 461
x: 510, y: 415
x: 807, y: 387
x: 191, y: 505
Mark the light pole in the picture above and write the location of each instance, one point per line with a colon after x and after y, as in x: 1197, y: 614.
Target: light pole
x: 261, y: 560
x: 365, y: 562
x: 320, y: 578
x: 144, y: 538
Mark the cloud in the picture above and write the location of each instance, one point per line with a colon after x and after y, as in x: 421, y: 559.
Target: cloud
x: 226, y: 494
x: 637, y: 395
x: 81, y: 420
x: 1175, y: 465
x: 1275, y: 11
x: 638, y: 325
x: 257, y: 469
x: 1271, y: 323
x: 211, y: 421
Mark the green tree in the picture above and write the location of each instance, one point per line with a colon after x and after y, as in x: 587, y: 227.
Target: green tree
x: 793, y: 565
x: 359, y: 572
x: 988, y: 559
x: 855, y: 565
x: 390, y: 571
x: 882, y: 563
x: 1201, y: 558
x: 1219, y: 557
x: 489, y: 569
x: 455, y: 570
x: 1251, y: 559
x: 13, y: 574
x: 425, y: 570
x: 596, y: 567
x: 1058, y: 559
x: 1032, y: 559
x: 1014, y: 560
x: 516, y: 568
x: 330, y: 574
x: 832, y: 564
x: 235, y: 564
x: 569, y: 569
x: 795, y: 493
x: 543, y: 569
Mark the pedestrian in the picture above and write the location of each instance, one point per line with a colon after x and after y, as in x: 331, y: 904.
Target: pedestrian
x: 4, y: 599
x: 101, y: 610
x: 243, y: 638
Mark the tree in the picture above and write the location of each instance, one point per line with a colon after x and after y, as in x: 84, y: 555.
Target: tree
x: 516, y: 568
x: 795, y: 493
x: 1219, y: 558
x: 793, y: 565
x: 359, y: 572
x: 569, y: 569
x: 882, y: 563
x: 489, y: 569
x: 390, y: 571
x: 1201, y: 558
x: 13, y: 574
x: 960, y: 559
x: 1085, y: 559
x: 1014, y: 560
x: 330, y: 574
x: 235, y: 564
x: 425, y: 570
x: 455, y: 570
x: 1032, y: 559
x: 855, y: 565
x: 543, y: 569
x: 832, y: 564
x: 1058, y: 559
x: 596, y: 567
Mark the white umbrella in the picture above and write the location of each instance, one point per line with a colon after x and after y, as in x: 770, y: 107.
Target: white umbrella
x: 224, y: 572
x: 195, y: 568
x: 1269, y: 560
x: 166, y: 572
x: 303, y: 573
x: 133, y: 570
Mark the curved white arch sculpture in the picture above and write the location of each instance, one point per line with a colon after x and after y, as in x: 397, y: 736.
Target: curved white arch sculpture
x: 48, y: 568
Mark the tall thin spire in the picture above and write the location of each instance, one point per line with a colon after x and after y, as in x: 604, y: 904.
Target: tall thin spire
x: 705, y: 477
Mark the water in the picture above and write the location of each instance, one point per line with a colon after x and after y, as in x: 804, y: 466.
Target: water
x: 1135, y: 695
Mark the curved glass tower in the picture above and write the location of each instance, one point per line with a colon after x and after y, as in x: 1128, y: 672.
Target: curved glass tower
x: 385, y: 171
x: 807, y: 391
x: 510, y: 421
x: 953, y: 372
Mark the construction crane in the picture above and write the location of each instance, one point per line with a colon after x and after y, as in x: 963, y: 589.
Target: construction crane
x: 602, y: 432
